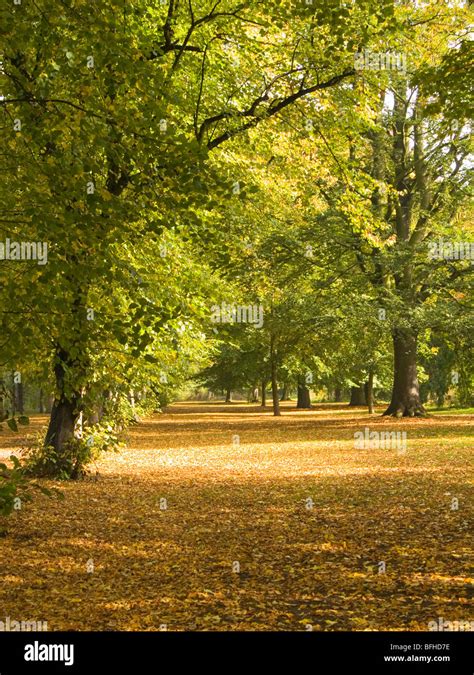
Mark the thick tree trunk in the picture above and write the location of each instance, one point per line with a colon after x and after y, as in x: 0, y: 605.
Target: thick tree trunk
x: 264, y: 393
x: 65, y: 410
x: 406, y: 389
x: 304, y: 395
x: 337, y: 394
x: 358, y: 396
x: 228, y: 395
x: 61, y: 424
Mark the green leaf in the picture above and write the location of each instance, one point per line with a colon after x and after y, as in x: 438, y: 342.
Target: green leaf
x: 12, y: 424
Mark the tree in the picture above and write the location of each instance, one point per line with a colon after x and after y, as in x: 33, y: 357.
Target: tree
x: 402, y: 176
x: 110, y: 132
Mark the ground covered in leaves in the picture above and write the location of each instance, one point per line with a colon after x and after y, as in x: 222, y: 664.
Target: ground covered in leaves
x: 222, y: 517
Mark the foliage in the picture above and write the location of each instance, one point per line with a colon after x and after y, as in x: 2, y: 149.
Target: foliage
x: 16, y: 488
x: 306, y: 515
x: 13, y: 421
x: 74, y: 461
x: 172, y: 156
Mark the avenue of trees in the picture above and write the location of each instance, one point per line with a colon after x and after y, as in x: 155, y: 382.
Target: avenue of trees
x: 178, y: 156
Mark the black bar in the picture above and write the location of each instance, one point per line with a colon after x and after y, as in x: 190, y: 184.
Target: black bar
x: 313, y: 653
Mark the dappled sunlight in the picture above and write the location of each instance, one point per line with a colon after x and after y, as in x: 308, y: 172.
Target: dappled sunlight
x: 214, y: 427
x: 308, y: 518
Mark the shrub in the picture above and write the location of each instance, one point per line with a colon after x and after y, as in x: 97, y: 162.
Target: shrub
x: 13, y: 487
x: 75, y: 457
x: 16, y: 488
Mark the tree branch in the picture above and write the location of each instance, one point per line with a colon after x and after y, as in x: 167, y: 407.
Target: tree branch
x: 275, y: 107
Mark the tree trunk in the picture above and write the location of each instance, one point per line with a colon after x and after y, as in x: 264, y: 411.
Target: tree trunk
x: 274, y: 374
x: 2, y: 400
x: 17, y: 397
x: 93, y: 418
x: 96, y: 415
x: 440, y: 398
x: 284, y: 393
x: 41, y: 401
x: 264, y: 393
x: 369, y: 392
x: 275, y: 395
x: 65, y: 410
x: 131, y: 399
x: 61, y: 424
x: 304, y: 395
x: 228, y: 395
x: 406, y: 389
x: 337, y: 394
x: 358, y: 396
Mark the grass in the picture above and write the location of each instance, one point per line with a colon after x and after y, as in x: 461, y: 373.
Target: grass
x: 451, y: 411
x: 222, y: 517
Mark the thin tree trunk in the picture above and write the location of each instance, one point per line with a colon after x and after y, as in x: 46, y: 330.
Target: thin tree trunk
x: 13, y: 394
x: 284, y: 393
x: 93, y: 418
x: 41, y: 401
x: 275, y: 396
x: 18, y: 395
x: 98, y: 412
x: 337, y: 394
x: 264, y: 393
x: 274, y: 374
x: 406, y: 389
x: 369, y: 392
x: 131, y: 398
